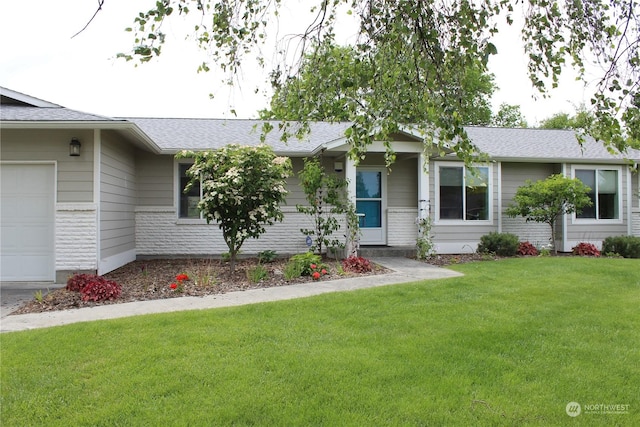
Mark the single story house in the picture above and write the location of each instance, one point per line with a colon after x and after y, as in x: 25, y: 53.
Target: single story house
x: 81, y: 192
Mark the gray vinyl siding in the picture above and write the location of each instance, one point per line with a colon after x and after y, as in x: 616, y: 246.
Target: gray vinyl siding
x: 469, y: 231
x: 635, y: 190
x: 117, y: 197
x: 595, y: 233
x: 402, y: 181
x: 154, y: 175
x: 514, y: 176
x: 75, y: 174
x: 402, y: 184
x: 296, y: 194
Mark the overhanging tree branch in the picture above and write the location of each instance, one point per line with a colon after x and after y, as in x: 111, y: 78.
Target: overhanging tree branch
x: 100, y: 4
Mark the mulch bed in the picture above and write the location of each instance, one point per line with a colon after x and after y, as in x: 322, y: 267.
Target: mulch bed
x: 152, y: 279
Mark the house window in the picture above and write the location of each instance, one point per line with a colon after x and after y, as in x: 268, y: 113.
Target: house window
x: 463, y: 194
x: 188, y: 201
x: 604, y: 193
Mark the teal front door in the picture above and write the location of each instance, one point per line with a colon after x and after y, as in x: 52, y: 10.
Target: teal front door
x: 370, y: 205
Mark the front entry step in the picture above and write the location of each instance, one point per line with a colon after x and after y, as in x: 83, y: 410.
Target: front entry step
x: 387, y: 251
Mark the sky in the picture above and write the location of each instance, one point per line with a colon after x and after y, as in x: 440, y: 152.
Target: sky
x: 39, y: 57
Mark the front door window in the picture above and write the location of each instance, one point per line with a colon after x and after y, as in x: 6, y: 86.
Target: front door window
x: 369, y: 198
x: 369, y: 206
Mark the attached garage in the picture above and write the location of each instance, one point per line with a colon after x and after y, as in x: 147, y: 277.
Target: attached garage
x: 27, y: 218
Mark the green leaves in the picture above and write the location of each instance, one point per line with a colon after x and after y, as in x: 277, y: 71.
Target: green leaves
x: 326, y: 197
x: 242, y: 189
x: 544, y: 201
x: 422, y: 63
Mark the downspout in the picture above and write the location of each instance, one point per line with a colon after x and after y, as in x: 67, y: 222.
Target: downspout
x: 629, y: 193
x: 565, y: 219
x: 351, y: 248
x: 424, y: 207
x: 97, y: 172
x: 499, y: 189
x: 424, y: 204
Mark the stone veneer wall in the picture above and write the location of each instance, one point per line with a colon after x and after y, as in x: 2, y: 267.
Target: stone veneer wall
x: 76, y: 234
x: 160, y: 233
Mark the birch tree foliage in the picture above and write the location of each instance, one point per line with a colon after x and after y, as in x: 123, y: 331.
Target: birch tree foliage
x: 344, y: 83
x: 423, y: 48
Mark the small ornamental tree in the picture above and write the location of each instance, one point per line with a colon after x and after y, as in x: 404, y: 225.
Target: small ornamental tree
x: 326, y: 197
x: 242, y: 189
x: 545, y: 200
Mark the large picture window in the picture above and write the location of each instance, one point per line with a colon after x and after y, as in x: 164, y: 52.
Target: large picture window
x: 188, y: 201
x: 604, y: 193
x: 463, y: 194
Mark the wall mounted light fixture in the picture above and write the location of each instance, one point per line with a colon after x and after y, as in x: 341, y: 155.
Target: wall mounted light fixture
x: 74, y: 147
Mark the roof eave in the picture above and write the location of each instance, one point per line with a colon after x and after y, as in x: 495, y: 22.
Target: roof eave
x: 580, y: 160
x: 125, y: 126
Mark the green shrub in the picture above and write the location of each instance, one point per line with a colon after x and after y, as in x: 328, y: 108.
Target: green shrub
x: 304, y: 262
x: 267, y: 256
x: 625, y: 246
x: 502, y: 244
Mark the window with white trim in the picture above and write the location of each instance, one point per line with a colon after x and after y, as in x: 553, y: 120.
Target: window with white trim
x: 188, y: 202
x: 604, y: 194
x: 463, y: 194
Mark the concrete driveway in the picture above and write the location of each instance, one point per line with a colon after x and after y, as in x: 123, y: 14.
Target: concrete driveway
x: 14, y: 294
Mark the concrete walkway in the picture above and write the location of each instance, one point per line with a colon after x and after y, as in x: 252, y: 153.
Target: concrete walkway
x: 404, y: 270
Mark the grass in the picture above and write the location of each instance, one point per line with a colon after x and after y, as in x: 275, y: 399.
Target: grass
x: 510, y: 343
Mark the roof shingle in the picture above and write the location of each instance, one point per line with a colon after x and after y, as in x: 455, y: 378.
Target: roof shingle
x: 173, y: 135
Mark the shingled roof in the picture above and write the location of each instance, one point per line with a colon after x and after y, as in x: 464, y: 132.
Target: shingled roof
x: 18, y: 107
x: 18, y: 113
x: 172, y: 135
x: 541, y: 144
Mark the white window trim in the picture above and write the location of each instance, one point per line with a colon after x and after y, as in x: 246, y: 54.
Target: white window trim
x: 436, y: 188
x: 587, y: 221
x: 177, y: 191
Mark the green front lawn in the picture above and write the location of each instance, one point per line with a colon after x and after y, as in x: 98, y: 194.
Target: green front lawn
x: 510, y: 343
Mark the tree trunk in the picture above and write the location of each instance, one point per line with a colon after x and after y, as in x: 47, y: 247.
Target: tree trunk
x: 553, y: 237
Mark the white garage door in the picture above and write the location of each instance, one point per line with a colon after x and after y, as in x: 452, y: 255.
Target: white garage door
x: 27, y: 213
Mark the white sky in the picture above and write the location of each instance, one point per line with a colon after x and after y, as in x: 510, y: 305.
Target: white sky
x: 38, y: 57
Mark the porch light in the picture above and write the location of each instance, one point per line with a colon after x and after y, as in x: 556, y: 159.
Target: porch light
x: 74, y: 147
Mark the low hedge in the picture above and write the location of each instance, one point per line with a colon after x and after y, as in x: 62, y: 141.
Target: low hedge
x: 625, y: 246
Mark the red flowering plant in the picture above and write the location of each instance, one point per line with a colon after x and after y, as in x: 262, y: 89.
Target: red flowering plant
x: 318, y: 270
x: 178, y: 285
